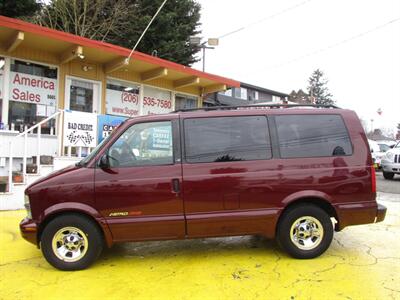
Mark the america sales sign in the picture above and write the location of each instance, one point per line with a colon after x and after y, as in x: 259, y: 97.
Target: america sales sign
x: 33, y: 89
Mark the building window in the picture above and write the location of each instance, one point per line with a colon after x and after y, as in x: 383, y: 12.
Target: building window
x: 2, y: 63
x: 33, y: 95
x: 122, y: 99
x: 185, y: 102
x: 253, y: 95
x: 156, y: 101
x: 223, y: 139
x: 81, y: 97
x: 241, y: 93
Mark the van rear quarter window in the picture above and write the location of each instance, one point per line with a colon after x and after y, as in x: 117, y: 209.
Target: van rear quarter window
x: 221, y: 139
x: 312, y: 136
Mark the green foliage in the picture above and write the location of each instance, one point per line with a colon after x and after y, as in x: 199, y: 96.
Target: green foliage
x: 121, y: 22
x: 299, y: 97
x: 317, y: 88
x: 18, y: 8
x: 168, y: 36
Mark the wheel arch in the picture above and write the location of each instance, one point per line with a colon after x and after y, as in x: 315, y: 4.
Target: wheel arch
x: 318, y: 201
x: 78, y: 209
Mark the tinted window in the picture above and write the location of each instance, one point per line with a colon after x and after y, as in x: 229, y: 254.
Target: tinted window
x: 312, y: 136
x: 143, y: 144
x: 383, y: 147
x: 227, y: 139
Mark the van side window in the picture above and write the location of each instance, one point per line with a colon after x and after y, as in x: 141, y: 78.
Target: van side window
x: 312, y: 136
x: 143, y: 144
x: 222, y: 139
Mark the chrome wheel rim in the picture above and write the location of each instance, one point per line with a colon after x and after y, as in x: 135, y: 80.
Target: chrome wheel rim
x: 306, y: 233
x: 70, y: 244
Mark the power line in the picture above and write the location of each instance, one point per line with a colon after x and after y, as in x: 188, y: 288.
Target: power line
x: 354, y: 37
x: 246, y: 26
x: 144, y: 31
x: 265, y: 19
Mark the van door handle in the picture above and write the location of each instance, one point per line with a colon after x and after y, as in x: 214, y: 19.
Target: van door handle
x: 176, y: 185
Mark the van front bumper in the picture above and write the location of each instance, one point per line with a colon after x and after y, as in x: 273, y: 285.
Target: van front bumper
x: 390, y: 167
x: 29, y: 230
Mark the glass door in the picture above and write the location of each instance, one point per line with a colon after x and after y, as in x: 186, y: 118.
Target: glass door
x: 82, y: 95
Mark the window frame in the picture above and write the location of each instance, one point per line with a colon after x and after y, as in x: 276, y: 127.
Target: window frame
x: 276, y: 142
x: 183, y: 144
x: 7, y: 81
x: 176, y: 150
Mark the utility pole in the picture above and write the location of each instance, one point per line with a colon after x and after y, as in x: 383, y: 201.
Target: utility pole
x: 203, y: 45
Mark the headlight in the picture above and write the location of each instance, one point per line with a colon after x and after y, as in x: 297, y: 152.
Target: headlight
x: 389, y: 155
x: 28, y: 206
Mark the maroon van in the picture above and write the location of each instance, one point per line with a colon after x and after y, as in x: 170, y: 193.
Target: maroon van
x: 291, y: 173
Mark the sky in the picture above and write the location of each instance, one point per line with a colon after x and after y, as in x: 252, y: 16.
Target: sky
x: 356, y: 43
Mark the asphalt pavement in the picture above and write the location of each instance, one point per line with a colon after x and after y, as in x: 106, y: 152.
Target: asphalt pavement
x: 388, y: 186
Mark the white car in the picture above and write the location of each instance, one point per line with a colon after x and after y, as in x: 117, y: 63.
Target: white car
x: 376, y: 152
x: 391, y: 162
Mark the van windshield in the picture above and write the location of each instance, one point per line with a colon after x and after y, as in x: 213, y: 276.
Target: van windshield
x: 84, y: 161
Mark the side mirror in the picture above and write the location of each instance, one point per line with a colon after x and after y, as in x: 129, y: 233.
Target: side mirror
x: 104, y: 162
x: 392, y: 146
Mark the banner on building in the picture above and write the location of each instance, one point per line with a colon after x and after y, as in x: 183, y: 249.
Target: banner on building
x: 106, y: 124
x: 33, y: 89
x: 122, y: 100
x: 156, y: 101
x: 80, y: 129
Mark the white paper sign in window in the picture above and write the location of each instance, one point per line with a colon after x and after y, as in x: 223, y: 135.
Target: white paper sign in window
x: 32, y: 89
x: 156, y: 101
x: 122, y: 99
x: 80, y: 129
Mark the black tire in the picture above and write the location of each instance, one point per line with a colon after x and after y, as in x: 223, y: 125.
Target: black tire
x: 388, y: 175
x: 289, y: 218
x: 93, y: 238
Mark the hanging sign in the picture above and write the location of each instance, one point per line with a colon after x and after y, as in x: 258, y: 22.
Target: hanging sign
x: 156, y: 101
x: 122, y: 101
x: 32, y: 89
x: 80, y: 129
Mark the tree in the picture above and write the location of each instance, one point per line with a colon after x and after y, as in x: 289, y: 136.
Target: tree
x: 398, y: 132
x: 19, y: 8
x: 94, y: 19
x: 299, y: 97
x: 318, y: 90
x: 121, y: 22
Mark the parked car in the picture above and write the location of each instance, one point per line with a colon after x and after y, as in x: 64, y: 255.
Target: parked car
x: 296, y: 175
x: 377, y: 152
x: 391, y: 162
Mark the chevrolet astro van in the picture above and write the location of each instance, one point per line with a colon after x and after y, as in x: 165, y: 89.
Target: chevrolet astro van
x: 296, y: 174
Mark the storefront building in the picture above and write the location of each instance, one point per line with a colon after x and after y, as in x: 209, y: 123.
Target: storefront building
x: 43, y: 71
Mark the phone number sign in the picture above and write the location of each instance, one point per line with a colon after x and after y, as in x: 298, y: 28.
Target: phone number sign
x: 156, y: 101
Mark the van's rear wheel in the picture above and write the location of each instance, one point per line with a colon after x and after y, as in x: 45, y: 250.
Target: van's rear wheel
x: 71, y: 242
x: 305, y: 231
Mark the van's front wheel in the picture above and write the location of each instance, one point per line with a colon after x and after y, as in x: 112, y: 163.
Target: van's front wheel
x: 71, y: 242
x: 305, y: 231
